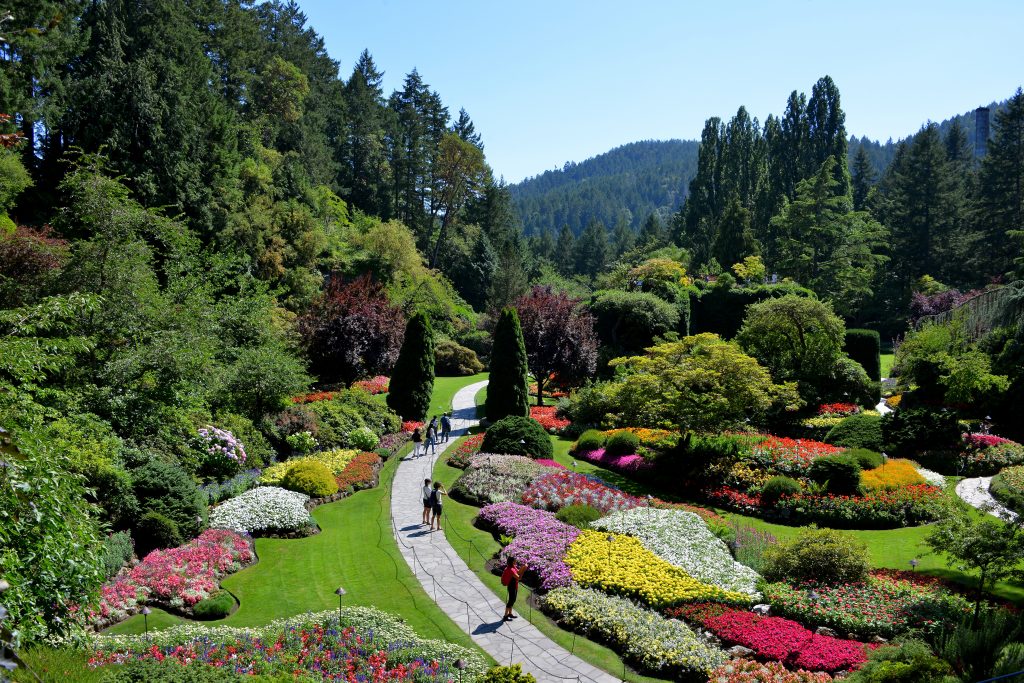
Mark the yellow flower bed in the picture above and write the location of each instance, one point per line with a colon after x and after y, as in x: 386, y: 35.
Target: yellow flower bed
x: 894, y: 401
x: 743, y: 476
x: 334, y: 460
x: 648, y: 437
x: 893, y: 474
x: 624, y: 567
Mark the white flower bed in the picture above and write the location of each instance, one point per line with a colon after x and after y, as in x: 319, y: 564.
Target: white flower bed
x: 683, y: 539
x: 262, y: 509
x: 933, y: 478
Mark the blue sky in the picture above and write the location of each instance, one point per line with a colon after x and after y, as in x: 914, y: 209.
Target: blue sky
x: 556, y: 81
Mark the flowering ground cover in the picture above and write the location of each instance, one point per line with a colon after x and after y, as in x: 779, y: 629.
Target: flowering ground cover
x: 632, y: 463
x: 621, y: 565
x: 649, y: 438
x: 985, y: 454
x: 684, y: 540
x: 539, y: 540
x: 314, y: 397
x: 392, y: 442
x: 360, y: 472
x: 374, y: 385
x: 492, y: 478
x: 893, y: 474
x: 366, y: 645
x: 932, y: 478
x: 177, y: 578
x: 775, y: 638
x: 550, y: 463
x: 907, y: 506
x: 262, y: 511
x: 654, y: 644
x: 464, y: 452
x: 335, y: 460
x: 750, y: 671
x: 842, y: 409
x: 548, y: 418
x: 556, y: 489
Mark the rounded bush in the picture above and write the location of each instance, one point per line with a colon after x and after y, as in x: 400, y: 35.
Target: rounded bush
x: 364, y: 439
x: 857, y: 431
x: 453, y: 360
x: 310, y: 477
x: 589, y: 440
x: 507, y: 674
x: 579, y: 515
x: 171, y: 491
x: 154, y: 531
x: 516, y: 435
x: 839, y: 473
x: 217, y: 606
x: 622, y: 443
x: 776, y: 488
x: 822, y: 555
x: 866, y: 459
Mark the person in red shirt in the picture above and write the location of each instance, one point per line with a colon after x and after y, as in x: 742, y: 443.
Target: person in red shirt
x: 510, y: 577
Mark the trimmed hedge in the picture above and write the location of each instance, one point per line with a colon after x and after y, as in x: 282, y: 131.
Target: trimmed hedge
x: 857, y: 431
x: 412, y: 380
x: 217, y: 606
x: 508, y: 390
x: 839, y: 473
x: 516, y: 435
x: 865, y: 347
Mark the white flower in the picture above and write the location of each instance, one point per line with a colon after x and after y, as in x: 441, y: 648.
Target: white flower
x: 262, y: 508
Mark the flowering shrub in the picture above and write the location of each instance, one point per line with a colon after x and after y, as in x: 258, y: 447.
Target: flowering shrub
x: 236, y: 485
x: 548, y: 419
x: 749, y: 671
x: 301, y: 442
x: 314, y: 397
x: 890, y: 475
x: 334, y: 460
x: 623, y: 566
x: 683, y: 539
x: 894, y: 401
x: 464, y: 452
x: 392, y: 442
x: 746, y: 478
x: 631, y: 463
x: 774, y: 638
x: 177, y: 578
x: 494, y: 478
x: 539, y: 540
x: 986, y: 454
x: 556, y: 489
x: 360, y: 472
x: 842, y: 409
x: 908, y: 506
x: 653, y: 643
x: 729, y: 497
x: 781, y: 455
x: 222, y: 452
x: 370, y: 645
x: 550, y: 463
x: 374, y: 385
x: 266, y: 509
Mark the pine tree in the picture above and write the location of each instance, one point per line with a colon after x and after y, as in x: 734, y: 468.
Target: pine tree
x: 412, y: 381
x: 1002, y: 186
x: 508, y: 389
x: 365, y: 171
x: 565, y: 248
x: 735, y: 238
x: 622, y: 237
x: 592, y: 250
x: 652, y: 233
x: 465, y: 129
x: 863, y: 178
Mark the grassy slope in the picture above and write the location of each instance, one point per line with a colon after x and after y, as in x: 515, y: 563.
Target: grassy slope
x: 887, y: 360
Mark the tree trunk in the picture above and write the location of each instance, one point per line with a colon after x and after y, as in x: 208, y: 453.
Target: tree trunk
x: 540, y: 391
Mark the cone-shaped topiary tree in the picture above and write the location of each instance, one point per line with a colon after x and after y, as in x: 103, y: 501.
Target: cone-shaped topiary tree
x: 412, y: 380
x: 507, y: 392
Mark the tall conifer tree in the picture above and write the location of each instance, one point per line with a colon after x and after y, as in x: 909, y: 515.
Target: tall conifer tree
x: 508, y: 390
x: 412, y: 380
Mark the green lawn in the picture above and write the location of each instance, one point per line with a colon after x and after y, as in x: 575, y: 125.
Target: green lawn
x: 887, y: 360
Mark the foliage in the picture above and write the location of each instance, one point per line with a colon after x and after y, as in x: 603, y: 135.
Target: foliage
x: 976, y: 645
x: 628, y: 322
x: 170, y: 491
x: 338, y: 418
x: 547, y: 417
x: 311, y: 478
x: 507, y: 388
x: 839, y: 474
x: 865, y: 347
x: 236, y: 485
x: 217, y: 606
x: 622, y: 443
x: 154, y: 531
x: 517, y: 436
x: 981, y: 455
x: 907, y: 661
x: 822, y: 555
x: 301, y: 442
x: 258, y: 450
x: 221, y: 454
x: 496, y: 478
x: 363, y: 438
x: 749, y: 545
x: 589, y: 440
x: 777, y: 487
x: 507, y: 674
x: 908, y: 431
x: 117, y: 550
x: 413, y: 378
x: 334, y: 460
x: 265, y: 510
x: 579, y: 515
x: 539, y: 540
x: 1008, y: 487
x: 866, y: 459
x: 454, y: 360
x: 857, y: 431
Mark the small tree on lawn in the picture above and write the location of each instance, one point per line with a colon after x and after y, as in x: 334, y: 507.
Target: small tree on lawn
x: 508, y: 392
x: 559, y: 337
x: 985, y: 545
x: 412, y: 381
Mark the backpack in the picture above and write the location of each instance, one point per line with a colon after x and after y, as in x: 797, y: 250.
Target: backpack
x: 433, y: 498
x: 506, y: 576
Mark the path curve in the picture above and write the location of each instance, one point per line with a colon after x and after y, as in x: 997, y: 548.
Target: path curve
x: 975, y: 491
x: 454, y: 586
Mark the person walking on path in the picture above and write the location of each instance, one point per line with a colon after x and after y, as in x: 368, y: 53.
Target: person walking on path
x: 427, y: 507
x: 510, y: 577
x: 436, y: 505
x: 446, y: 427
x: 417, y: 439
x: 431, y: 438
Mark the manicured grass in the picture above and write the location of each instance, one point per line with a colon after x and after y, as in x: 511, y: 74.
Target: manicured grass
x: 158, y: 619
x: 445, y: 389
x: 887, y: 360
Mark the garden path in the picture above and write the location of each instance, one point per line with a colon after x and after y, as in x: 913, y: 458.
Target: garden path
x: 975, y: 492
x: 457, y: 590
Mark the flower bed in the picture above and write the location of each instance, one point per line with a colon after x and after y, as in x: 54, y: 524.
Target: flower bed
x: 335, y: 460
x: 630, y: 464
x: 464, y: 452
x: 374, y: 385
x: 750, y: 671
x: 623, y: 566
x: 840, y: 409
x: 657, y: 439
x: 370, y: 646
x: 548, y: 418
x: 411, y: 425
x: 1008, y: 487
x: 550, y: 463
x: 931, y: 478
x: 683, y: 539
x: 792, y: 457
x: 265, y: 511
x: 392, y: 442
x: 557, y: 488
x: 907, y: 506
x: 539, y: 540
x: 651, y: 642
x: 314, y: 397
x: 985, y: 454
x: 492, y: 478
x: 177, y: 578
x: 890, y: 475
x: 775, y: 638
x: 236, y: 485
x: 360, y: 472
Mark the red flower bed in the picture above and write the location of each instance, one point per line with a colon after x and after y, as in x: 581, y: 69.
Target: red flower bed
x: 360, y: 472
x: 314, y: 397
x: 558, y: 488
x: 749, y: 671
x: 984, y: 440
x: 465, y: 451
x: 838, y: 409
x: 730, y: 497
x: 374, y: 385
x: 411, y: 425
x: 782, y: 455
x: 548, y: 419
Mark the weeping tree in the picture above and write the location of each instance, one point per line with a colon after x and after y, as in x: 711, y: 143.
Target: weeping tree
x: 412, y: 381
x: 508, y: 390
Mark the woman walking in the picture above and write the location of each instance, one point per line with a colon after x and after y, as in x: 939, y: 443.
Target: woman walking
x: 417, y: 439
x: 431, y: 439
x: 510, y: 577
x: 427, y: 506
x: 436, y: 505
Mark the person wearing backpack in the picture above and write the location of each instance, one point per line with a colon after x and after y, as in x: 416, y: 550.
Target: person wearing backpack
x: 436, y: 504
x: 446, y: 427
x: 510, y: 577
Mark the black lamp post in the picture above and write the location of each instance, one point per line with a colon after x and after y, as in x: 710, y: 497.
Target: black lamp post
x: 340, y: 592
x: 913, y: 564
x: 611, y: 539
x: 145, y: 618
x: 460, y: 664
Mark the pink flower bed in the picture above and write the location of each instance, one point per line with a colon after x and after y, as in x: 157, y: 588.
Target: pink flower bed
x: 975, y: 440
x: 550, y: 463
x: 556, y: 489
x: 539, y: 540
x: 177, y: 578
x: 374, y: 385
x: 631, y: 464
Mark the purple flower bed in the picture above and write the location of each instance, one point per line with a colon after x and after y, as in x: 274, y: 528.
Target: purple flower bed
x: 630, y: 464
x: 539, y: 540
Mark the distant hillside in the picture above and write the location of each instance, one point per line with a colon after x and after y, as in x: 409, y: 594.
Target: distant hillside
x: 631, y: 181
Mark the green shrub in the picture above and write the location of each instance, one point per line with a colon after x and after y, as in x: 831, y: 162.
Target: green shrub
x: 857, y: 431
x: 112, y: 491
x: 975, y: 648
x: 839, y: 473
x: 364, y: 439
x: 909, y: 431
x: 168, y: 671
x: 517, y: 436
x: 507, y: 389
x: 117, y: 550
x: 479, y: 342
x: 453, y: 360
x: 507, y: 674
x: 776, y: 488
x: 1008, y: 487
x: 258, y: 451
x: 823, y: 555
x: 412, y: 380
x: 155, y: 531
x: 169, y: 490
x: 590, y: 405
x: 217, y: 606
x: 589, y: 440
x: 336, y: 420
x: 310, y: 477
x: 865, y: 459
x: 865, y: 347
x: 622, y: 443
x: 909, y: 661
x: 302, y: 442
x: 579, y: 515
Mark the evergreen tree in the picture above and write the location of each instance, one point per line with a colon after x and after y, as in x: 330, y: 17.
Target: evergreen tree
x: 826, y: 132
x: 466, y: 131
x: 511, y: 277
x: 508, y: 389
x: 735, y: 238
x: 1001, y: 201
x: 863, y: 178
x: 565, y: 250
x: 652, y: 233
x: 412, y: 381
x: 592, y: 250
x: 622, y: 238
x: 365, y: 168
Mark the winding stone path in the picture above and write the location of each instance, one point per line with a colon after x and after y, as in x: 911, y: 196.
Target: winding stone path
x: 454, y: 586
x: 975, y: 492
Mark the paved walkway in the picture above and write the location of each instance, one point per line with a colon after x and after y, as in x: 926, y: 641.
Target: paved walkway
x: 457, y: 590
x: 975, y: 492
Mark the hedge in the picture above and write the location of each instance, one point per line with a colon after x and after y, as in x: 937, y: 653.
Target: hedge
x: 865, y: 347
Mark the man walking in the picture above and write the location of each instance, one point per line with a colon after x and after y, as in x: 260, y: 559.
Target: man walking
x: 446, y: 427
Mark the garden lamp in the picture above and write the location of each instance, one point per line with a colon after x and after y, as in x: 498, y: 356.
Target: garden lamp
x: 145, y: 618
x: 340, y: 592
x: 913, y: 564
x: 611, y: 539
x: 460, y: 664
x: 812, y: 595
